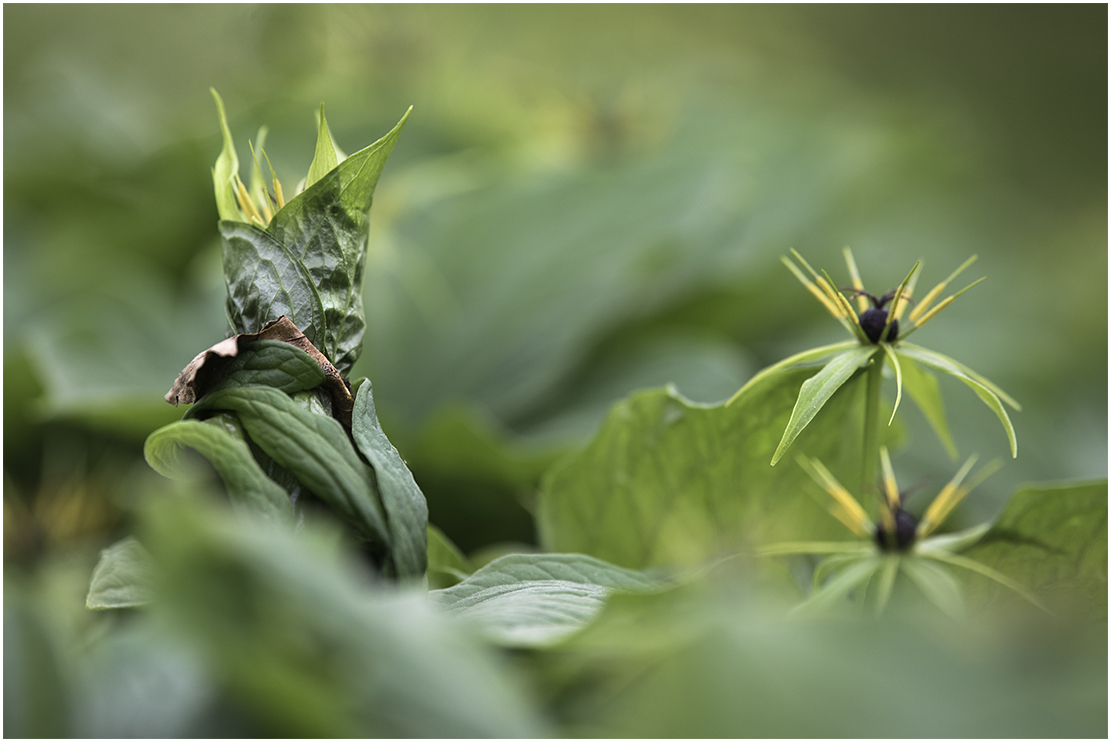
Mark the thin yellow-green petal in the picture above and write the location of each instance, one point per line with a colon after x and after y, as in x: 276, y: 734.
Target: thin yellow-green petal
x: 847, y: 509
x: 887, y: 581
x: 890, y: 486
x: 854, y: 273
x: 257, y: 190
x: 225, y: 169
x: 928, y: 299
x: 325, y: 159
x: 818, y: 293
x: 896, y: 299
x: 904, y: 301
x: 986, y: 571
x: 951, y: 494
x: 898, y: 377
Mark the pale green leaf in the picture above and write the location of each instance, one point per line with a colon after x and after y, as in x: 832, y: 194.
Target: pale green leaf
x: 936, y: 583
x: 122, y: 577
x: 325, y: 160
x: 538, y: 599
x: 226, y: 168
x: 817, y: 390
x: 1052, y: 540
x: 923, y: 388
x: 986, y: 391
x: 666, y: 481
x: 840, y: 586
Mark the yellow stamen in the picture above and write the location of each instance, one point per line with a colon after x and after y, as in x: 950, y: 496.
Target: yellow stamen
x: 904, y: 300
x: 890, y: 487
x: 278, y: 197
x: 928, y: 299
x: 264, y: 205
x: 861, y: 300
x: 898, y: 298
x: 244, y: 200
x: 846, y: 509
x: 818, y: 293
x: 950, y: 495
x: 945, y: 302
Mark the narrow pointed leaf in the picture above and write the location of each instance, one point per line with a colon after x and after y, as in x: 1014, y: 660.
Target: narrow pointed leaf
x: 983, y: 391
x: 325, y: 158
x: 840, y: 586
x: 807, y: 356
x: 405, y: 506
x: 817, y: 390
x: 935, y: 582
x: 225, y: 448
x: 894, y: 358
x: 314, y: 448
x: 226, y: 168
x: 122, y: 577
x: 923, y: 389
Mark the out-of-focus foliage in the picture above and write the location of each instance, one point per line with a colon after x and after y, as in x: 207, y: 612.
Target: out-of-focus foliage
x: 587, y: 201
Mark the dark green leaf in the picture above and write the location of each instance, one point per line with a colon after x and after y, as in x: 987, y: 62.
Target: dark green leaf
x: 817, y: 390
x: 307, y: 647
x: 313, y: 447
x: 406, y: 509
x: 1051, y: 539
x: 122, y: 577
x: 308, y: 263
x: 271, y: 363
x: 220, y: 442
x: 538, y: 599
x: 665, y: 481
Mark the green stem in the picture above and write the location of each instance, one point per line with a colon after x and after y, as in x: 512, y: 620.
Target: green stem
x: 870, y: 456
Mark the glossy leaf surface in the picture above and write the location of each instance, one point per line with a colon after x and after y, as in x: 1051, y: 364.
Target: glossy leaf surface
x: 308, y: 262
x: 402, y: 500
x: 313, y: 447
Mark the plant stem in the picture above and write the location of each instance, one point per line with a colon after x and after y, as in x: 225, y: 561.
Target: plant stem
x: 871, y: 453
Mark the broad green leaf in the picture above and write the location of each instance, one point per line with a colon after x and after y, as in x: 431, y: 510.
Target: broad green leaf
x: 122, y: 577
x: 308, y: 262
x: 226, y: 168
x: 1051, y: 539
x: 325, y: 158
x: 447, y: 565
x: 817, y: 390
x: 406, y: 509
x: 218, y: 441
x: 985, y: 390
x: 314, y: 448
x: 308, y: 647
x: 923, y: 389
x: 271, y: 363
x: 538, y: 599
x: 666, y: 481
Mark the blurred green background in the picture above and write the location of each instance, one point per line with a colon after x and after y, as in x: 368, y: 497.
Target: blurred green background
x: 586, y: 200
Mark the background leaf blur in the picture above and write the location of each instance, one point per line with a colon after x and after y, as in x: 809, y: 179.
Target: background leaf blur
x: 586, y: 201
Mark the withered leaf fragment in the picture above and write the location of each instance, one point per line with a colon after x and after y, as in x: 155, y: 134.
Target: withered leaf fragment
x: 194, y: 380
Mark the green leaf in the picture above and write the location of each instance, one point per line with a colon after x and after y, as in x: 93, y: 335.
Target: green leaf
x: 923, y: 389
x: 306, y: 646
x: 226, y: 168
x: 271, y: 363
x: 532, y: 600
x: 308, y: 263
x: 817, y: 390
x: 122, y: 577
x: 936, y: 583
x: 841, y: 585
x: 325, y: 158
x: 406, y: 509
x: 221, y: 442
x: 314, y: 448
x: 985, y: 390
x: 1051, y: 539
x: 666, y: 481
x: 447, y: 565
